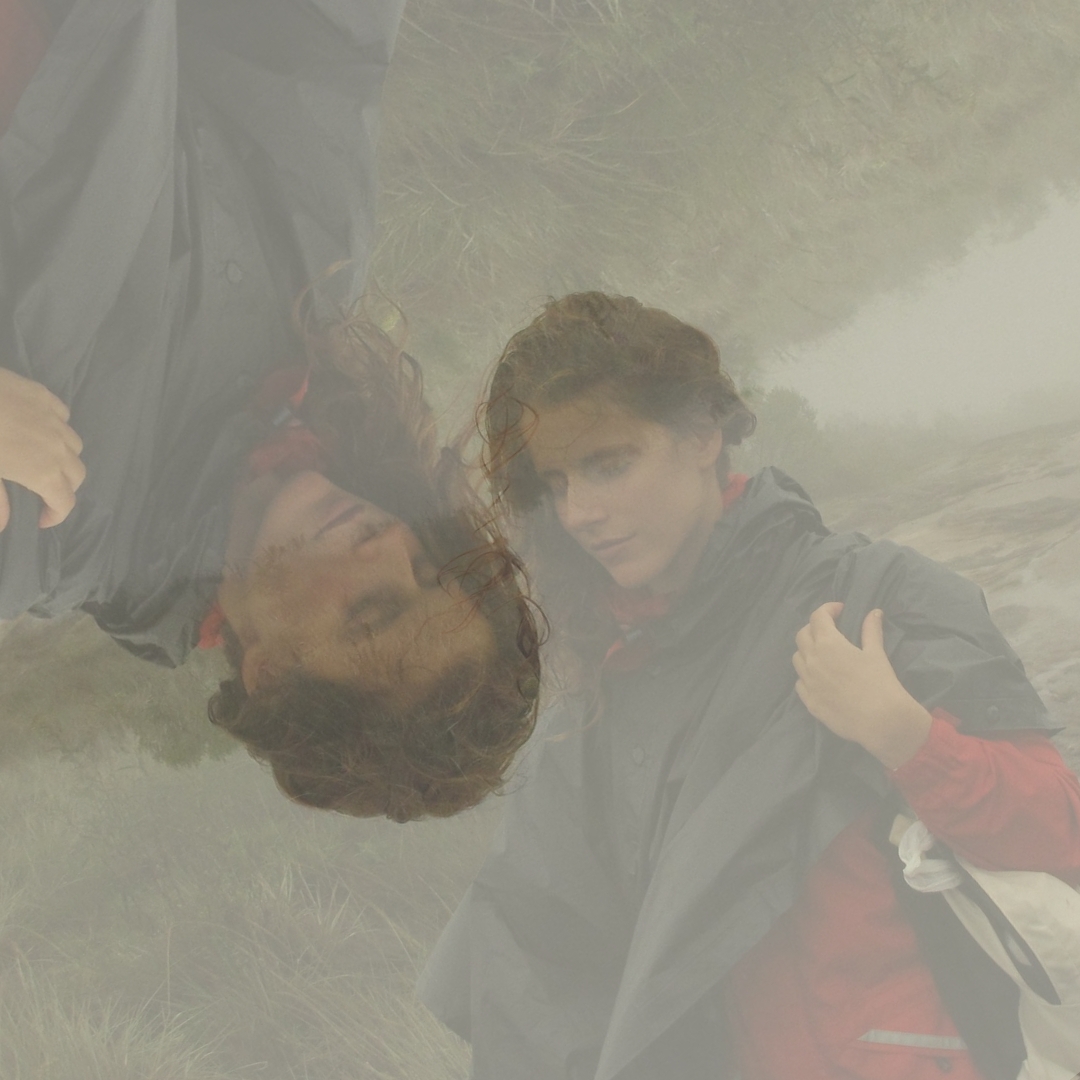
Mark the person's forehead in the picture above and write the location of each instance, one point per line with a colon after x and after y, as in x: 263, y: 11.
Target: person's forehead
x: 575, y: 429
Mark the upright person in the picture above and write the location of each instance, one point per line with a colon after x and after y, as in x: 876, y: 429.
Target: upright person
x: 180, y: 463
x: 689, y: 882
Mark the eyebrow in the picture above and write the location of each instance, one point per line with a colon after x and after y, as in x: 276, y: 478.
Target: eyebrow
x: 606, y: 452
x: 594, y: 458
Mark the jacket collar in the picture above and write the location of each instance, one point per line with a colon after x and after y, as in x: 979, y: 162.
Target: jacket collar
x: 756, y: 530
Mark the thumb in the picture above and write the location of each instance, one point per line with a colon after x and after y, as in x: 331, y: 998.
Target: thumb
x: 5, y: 507
x: 824, y: 618
x: 873, y: 632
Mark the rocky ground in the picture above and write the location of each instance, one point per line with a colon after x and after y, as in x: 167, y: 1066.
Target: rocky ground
x: 1007, y: 515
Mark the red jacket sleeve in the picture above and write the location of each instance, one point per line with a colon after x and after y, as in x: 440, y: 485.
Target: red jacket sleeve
x: 1004, y: 804
x: 23, y: 40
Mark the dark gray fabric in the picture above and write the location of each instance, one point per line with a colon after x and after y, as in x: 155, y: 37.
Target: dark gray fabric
x: 176, y: 172
x: 593, y: 942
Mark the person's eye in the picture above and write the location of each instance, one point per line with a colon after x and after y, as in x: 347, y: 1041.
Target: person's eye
x: 609, y: 468
x: 371, y: 615
x: 361, y: 620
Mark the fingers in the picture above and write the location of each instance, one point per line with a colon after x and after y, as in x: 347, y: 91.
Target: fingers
x: 821, y: 632
x: 54, y: 476
x: 873, y: 631
x: 72, y: 440
x: 56, y: 488
x: 39, y: 449
x: 56, y: 512
x: 58, y: 495
x: 822, y: 625
x: 823, y: 619
x: 56, y: 485
x: 825, y: 659
x: 798, y: 662
x: 41, y: 397
x: 55, y: 405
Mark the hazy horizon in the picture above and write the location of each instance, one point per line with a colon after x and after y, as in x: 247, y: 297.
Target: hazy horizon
x: 966, y: 339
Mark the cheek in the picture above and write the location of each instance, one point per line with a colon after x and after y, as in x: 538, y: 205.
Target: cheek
x: 671, y: 506
x: 681, y: 487
x: 300, y: 596
x: 653, y: 495
x: 585, y: 503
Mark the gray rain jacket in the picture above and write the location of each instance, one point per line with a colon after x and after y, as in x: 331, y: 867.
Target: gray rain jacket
x: 176, y: 172
x: 644, y: 853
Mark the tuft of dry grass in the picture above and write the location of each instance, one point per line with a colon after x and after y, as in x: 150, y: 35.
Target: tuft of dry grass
x: 164, y: 923
x: 45, y: 1037
x: 100, y: 696
x: 761, y: 167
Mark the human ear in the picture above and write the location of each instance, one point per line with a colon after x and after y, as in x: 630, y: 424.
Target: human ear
x: 256, y: 668
x: 707, y: 448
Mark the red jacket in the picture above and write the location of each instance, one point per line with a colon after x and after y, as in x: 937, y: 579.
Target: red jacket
x: 844, y: 963
x: 24, y: 36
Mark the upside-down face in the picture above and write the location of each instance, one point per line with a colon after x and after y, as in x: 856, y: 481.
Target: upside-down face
x: 323, y: 580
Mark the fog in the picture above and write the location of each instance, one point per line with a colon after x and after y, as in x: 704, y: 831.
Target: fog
x: 995, y: 329
x: 871, y: 206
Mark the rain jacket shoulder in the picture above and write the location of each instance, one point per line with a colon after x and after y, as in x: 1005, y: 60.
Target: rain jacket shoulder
x: 174, y: 174
x: 585, y: 948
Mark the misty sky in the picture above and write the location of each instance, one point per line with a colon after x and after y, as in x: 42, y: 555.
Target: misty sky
x: 967, y: 338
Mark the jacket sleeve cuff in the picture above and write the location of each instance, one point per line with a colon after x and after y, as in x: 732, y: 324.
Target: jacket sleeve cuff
x: 938, y: 765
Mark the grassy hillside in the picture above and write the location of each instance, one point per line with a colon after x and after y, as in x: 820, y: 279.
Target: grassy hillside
x: 163, y: 924
x: 761, y: 166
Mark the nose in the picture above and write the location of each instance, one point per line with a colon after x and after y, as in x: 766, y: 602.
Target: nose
x: 395, y: 550
x: 579, y: 509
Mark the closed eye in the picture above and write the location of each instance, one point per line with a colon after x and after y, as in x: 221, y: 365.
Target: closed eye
x: 376, y: 611
x: 601, y: 465
x: 607, y: 467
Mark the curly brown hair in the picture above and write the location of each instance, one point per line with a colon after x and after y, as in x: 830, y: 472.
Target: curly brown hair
x: 333, y: 745
x: 641, y: 358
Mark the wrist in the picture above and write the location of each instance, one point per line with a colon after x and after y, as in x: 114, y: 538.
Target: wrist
x: 901, y: 735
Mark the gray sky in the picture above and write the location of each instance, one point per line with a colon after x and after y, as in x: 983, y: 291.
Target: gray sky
x: 970, y: 337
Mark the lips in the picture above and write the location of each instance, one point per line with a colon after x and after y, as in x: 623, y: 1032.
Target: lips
x: 607, y: 546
